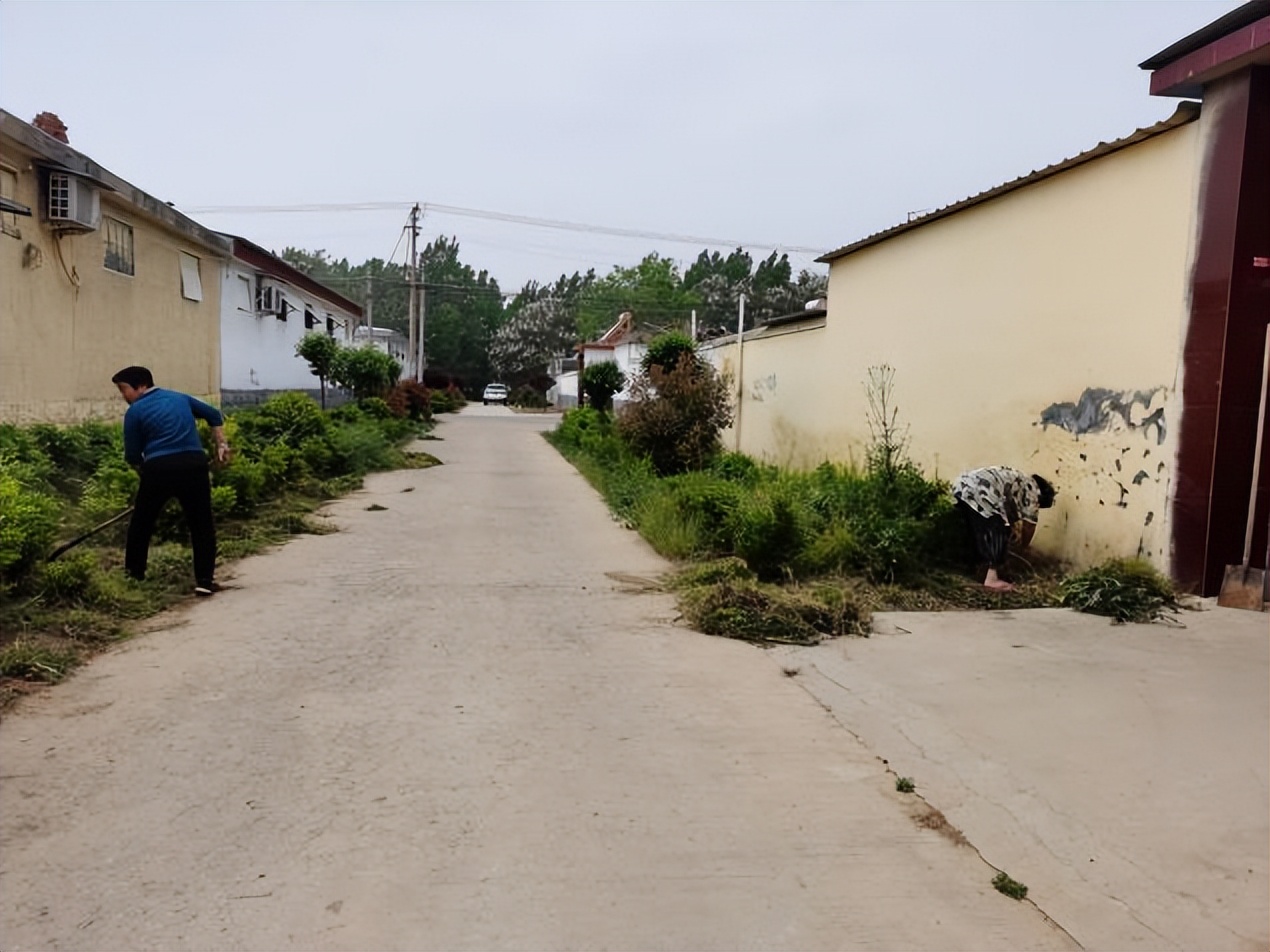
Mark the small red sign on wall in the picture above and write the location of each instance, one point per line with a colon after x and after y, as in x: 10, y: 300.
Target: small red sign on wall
x: 1260, y: 262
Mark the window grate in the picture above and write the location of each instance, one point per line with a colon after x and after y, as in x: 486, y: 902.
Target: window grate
x: 119, y: 256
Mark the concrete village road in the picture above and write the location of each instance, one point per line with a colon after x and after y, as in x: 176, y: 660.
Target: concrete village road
x: 454, y: 724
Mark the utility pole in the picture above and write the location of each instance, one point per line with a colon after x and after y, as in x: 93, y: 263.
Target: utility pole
x: 694, y: 325
x: 412, y: 350
x: 740, y: 368
x: 422, y: 360
x: 369, y: 311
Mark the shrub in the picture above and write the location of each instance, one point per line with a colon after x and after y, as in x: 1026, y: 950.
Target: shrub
x: 77, y: 451
x: 224, y: 501
x: 411, y: 399
x: 375, y: 408
x: 17, y: 445
x: 736, y: 468
x: 246, y: 477
x: 675, y: 417
x: 361, y: 448
x: 710, y: 502
x: 70, y: 579
x: 109, y: 490
x: 320, y: 351
x: 364, y: 371
x: 770, y: 528
x: 575, y: 424
x: 529, y: 397
x: 834, y: 549
x: 668, y: 529
x: 666, y: 351
x: 1124, y: 589
x: 600, y: 381
x: 289, y: 418
x: 442, y: 401
x: 626, y: 484
x: 28, y: 519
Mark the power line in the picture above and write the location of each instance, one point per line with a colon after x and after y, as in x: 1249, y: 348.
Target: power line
x: 505, y: 217
x: 615, y: 232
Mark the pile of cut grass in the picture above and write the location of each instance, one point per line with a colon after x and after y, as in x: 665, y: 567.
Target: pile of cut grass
x: 1126, y: 590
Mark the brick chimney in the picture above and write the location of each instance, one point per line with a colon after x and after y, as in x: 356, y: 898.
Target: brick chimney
x: 49, y: 124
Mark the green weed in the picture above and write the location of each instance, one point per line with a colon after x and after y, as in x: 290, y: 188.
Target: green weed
x: 31, y: 661
x: 1009, y: 887
x: 1124, y: 589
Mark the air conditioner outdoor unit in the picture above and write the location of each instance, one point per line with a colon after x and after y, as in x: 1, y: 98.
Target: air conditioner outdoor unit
x: 269, y: 299
x: 71, y: 203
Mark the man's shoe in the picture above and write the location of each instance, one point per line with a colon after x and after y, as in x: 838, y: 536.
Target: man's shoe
x: 206, y: 588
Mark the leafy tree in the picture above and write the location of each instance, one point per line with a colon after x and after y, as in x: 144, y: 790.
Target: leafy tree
x: 653, y: 291
x: 462, y: 307
x: 675, y: 416
x: 666, y: 350
x: 526, y: 343
x: 319, y: 350
x: 366, y: 371
x: 600, y: 381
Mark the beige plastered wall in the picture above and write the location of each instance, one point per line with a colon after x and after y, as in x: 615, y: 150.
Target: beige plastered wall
x: 67, y: 323
x: 999, y: 317
x: 783, y: 386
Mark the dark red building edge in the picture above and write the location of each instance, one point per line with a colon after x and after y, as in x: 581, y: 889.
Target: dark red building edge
x: 1230, y: 297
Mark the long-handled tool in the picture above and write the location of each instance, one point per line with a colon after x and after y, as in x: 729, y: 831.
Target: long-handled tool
x: 1244, y: 586
x: 67, y: 546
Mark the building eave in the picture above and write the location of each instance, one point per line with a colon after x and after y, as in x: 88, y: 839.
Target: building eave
x: 1186, y: 112
x: 1230, y: 43
x: 48, y: 150
x: 251, y: 253
x: 812, y: 314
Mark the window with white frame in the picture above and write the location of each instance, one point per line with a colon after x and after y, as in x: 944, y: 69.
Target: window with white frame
x: 191, y: 283
x: 246, y: 299
x: 119, y: 256
x: 9, y: 190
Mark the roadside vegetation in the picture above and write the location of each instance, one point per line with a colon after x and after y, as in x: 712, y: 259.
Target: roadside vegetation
x: 768, y: 554
x: 1126, y: 590
x: 288, y: 457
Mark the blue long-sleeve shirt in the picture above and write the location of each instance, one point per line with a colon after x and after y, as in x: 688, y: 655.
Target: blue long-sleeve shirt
x: 162, y: 422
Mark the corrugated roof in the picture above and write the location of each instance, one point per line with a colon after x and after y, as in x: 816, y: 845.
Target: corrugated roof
x: 1185, y: 112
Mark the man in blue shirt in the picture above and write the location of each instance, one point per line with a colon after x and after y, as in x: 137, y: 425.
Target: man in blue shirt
x: 160, y: 437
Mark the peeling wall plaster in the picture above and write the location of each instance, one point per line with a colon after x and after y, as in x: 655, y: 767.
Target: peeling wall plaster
x: 1098, y: 408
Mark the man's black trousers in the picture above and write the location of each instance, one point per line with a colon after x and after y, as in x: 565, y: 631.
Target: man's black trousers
x: 185, y: 476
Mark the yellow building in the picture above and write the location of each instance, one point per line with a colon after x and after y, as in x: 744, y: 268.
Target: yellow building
x: 1100, y: 322
x: 96, y: 275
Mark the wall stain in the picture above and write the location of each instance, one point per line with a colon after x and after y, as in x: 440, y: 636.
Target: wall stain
x: 1098, y: 408
x: 1150, y: 518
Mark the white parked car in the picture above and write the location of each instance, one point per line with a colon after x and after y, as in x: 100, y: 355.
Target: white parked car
x: 495, y: 393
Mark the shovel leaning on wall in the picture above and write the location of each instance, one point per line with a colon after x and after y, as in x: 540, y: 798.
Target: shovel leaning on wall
x: 1244, y: 586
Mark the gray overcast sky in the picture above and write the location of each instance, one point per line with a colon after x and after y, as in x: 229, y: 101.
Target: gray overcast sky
x: 805, y: 124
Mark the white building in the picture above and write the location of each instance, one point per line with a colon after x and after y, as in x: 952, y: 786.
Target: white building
x: 385, y: 339
x: 267, y: 306
x: 624, y: 345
